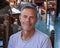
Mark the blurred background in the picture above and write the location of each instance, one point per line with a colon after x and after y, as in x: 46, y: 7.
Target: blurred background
x: 48, y: 19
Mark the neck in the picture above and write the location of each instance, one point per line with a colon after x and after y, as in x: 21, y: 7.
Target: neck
x: 26, y: 35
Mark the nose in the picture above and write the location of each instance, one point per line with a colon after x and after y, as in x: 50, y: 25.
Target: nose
x: 27, y: 19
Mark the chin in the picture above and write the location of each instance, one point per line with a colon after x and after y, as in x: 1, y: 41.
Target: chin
x: 26, y: 29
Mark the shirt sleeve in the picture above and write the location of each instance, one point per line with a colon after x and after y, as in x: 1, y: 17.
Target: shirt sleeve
x: 10, y: 43
x: 47, y: 43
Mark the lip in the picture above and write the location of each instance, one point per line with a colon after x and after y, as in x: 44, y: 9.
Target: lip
x: 27, y: 24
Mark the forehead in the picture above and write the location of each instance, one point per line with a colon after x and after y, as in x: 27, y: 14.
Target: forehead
x: 28, y: 11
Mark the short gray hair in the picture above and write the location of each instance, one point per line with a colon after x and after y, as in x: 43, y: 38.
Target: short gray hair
x: 30, y: 6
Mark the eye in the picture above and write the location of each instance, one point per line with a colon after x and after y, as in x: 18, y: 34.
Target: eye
x: 32, y: 17
x: 24, y: 16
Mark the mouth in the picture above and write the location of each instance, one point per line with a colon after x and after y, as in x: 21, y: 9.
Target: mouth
x: 27, y: 24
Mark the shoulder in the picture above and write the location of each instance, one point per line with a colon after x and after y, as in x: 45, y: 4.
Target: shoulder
x: 43, y: 40
x: 41, y: 35
x: 16, y: 35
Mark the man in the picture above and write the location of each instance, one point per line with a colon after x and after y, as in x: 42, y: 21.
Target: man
x: 29, y: 37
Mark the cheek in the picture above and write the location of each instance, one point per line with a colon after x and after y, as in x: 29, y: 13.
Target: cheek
x: 20, y: 19
x: 33, y: 22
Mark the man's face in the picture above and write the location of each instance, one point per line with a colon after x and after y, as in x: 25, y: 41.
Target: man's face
x: 28, y: 19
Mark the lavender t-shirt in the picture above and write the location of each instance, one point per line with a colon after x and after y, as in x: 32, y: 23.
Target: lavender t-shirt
x: 38, y: 40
